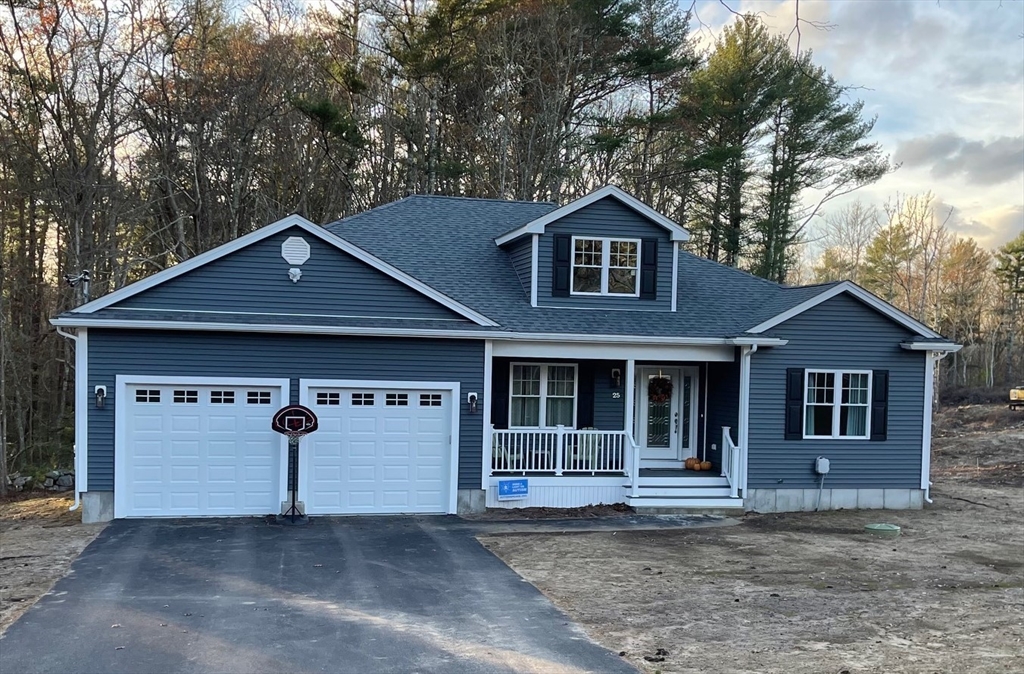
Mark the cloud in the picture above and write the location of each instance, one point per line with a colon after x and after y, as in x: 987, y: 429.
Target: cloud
x: 990, y: 228
x: 950, y: 155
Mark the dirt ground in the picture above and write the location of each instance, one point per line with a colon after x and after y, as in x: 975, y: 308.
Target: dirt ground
x: 810, y: 592
x: 39, y: 538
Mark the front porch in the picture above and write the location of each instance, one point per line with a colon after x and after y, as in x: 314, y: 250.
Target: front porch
x: 624, y: 431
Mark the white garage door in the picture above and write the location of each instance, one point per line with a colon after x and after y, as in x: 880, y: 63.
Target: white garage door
x: 378, y: 450
x: 198, y: 450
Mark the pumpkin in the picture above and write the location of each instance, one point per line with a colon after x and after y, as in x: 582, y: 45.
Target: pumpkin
x: 705, y: 465
x: 696, y: 465
x: 689, y: 463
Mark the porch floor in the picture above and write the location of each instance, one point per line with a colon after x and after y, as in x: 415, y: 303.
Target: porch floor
x: 677, y: 472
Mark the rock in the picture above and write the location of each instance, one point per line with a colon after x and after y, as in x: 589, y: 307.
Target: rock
x: 49, y: 482
x: 654, y: 658
x: 54, y: 474
x: 20, y: 482
x: 65, y: 480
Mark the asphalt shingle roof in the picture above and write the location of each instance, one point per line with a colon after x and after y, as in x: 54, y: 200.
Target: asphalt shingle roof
x: 448, y: 243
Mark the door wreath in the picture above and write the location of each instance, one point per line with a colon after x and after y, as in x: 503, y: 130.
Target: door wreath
x: 659, y: 390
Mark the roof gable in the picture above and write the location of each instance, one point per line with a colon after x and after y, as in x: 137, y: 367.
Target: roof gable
x: 854, y: 290
x: 358, y: 261
x: 537, y: 226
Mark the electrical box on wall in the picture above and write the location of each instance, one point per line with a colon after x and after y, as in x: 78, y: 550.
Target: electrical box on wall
x: 821, y: 465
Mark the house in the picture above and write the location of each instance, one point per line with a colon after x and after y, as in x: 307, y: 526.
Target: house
x: 453, y: 348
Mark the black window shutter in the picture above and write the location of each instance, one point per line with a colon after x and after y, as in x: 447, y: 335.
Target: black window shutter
x: 794, y: 403
x: 499, y: 393
x: 879, y: 405
x: 561, y: 265
x: 585, y: 395
x: 649, y: 269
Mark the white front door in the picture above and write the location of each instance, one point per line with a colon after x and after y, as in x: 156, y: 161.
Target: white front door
x: 666, y: 415
x: 378, y: 450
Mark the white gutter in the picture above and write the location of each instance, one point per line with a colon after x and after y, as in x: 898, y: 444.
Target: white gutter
x: 409, y: 332
x: 80, y: 402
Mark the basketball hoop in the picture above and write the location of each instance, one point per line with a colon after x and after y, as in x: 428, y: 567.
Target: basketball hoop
x: 294, y: 422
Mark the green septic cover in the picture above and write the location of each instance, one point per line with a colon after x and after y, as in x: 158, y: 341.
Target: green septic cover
x: 883, y: 529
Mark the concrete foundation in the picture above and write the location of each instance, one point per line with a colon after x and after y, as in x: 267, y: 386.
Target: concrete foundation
x: 806, y: 500
x: 471, y: 501
x: 97, y: 506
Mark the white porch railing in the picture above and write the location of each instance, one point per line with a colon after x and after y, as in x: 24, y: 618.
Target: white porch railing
x: 730, y: 462
x: 559, y: 450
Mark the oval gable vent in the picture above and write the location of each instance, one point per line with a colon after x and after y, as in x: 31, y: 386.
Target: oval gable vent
x: 295, y: 250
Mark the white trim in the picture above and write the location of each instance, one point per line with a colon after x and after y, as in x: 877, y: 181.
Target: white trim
x: 630, y: 387
x: 270, y: 230
x: 537, y: 226
x: 562, y: 481
x: 452, y: 387
x: 534, y: 262
x: 926, y: 430
x: 277, y: 313
x: 675, y: 274
x: 743, y: 416
x: 864, y: 296
x: 82, y: 411
x: 837, y: 404
x: 558, y: 350
x: 542, y: 409
x: 606, y: 266
x: 122, y: 381
x: 75, y: 322
x: 485, y: 463
x: 947, y: 347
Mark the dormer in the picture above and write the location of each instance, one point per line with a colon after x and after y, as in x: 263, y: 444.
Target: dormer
x: 606, y: 250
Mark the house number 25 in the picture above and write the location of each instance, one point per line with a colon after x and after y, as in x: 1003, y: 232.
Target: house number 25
x: 616, y: 395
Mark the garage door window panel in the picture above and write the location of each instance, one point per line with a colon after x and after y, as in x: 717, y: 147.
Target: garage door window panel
x: 186, y: 396
x: 147, y: 396
x: 222, y: 397
x: 258, y: 398
x: 362, y: 399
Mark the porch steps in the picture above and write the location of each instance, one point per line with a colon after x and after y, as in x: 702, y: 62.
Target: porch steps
x: 683, y: 494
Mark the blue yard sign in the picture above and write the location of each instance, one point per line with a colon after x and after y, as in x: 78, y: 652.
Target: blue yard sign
x: 512, y: 490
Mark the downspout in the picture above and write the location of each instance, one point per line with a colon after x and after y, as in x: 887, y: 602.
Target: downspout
x: 78, y: 473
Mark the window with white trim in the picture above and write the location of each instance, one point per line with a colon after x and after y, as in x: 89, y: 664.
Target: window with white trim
x: 222, y: 397
x: 605, y: 266
x: 542, y: 395
x: 837, y: 404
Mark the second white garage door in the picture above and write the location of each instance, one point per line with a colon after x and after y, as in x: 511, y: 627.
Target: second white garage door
x: 378, y: 450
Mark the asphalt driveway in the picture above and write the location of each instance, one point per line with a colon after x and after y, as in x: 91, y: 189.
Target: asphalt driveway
x: 381, y: 594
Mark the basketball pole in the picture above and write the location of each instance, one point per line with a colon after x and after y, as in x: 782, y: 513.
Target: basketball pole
x: 293, y: 475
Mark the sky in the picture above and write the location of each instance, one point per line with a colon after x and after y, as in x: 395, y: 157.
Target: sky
x: 946, y: 82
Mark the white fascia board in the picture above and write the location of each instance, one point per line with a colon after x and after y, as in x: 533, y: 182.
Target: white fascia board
x: 86, y: 322
x: 537, y: 226
x: 399, y: 275
x: 864, y: 296
x: 534, y: 272
x: 265, y: 232
x: 947, y: 347
x: 193, y: 263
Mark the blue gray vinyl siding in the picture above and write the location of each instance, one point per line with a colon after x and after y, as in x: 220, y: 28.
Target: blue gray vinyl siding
x: 723, y: 382
x: 839, y: 333
x: 213, y: 354
x: 605, y: 218
x: 255, y: 279
x: 521, y: 254
x: 609, y: 410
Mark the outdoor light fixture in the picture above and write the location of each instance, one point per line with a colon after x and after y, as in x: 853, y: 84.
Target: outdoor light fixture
x: 471, y: 399
x: 616, y: 377
x: 101, y: 395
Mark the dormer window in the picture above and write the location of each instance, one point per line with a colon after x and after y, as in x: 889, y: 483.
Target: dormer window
x: 605, y: 266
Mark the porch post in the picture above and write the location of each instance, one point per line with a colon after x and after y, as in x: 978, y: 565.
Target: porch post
x: 743, y: 432
x: 630, y: 395
x: 559, y: 448
x: 487, y: 462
